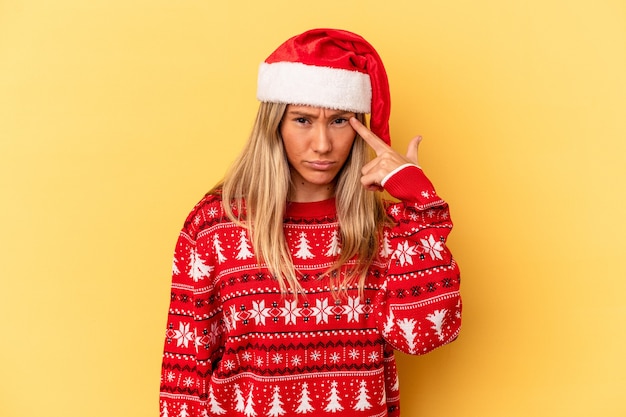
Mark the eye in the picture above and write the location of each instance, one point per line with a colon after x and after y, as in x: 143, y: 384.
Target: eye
x: 340, y: 121
x: 301, y: 120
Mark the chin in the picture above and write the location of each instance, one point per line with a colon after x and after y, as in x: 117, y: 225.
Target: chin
x: 321, y: 181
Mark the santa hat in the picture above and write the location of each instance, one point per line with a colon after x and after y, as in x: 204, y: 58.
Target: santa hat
x: 328, y: 68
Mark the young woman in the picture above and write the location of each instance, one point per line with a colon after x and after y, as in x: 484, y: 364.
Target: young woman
x: 293, y: 280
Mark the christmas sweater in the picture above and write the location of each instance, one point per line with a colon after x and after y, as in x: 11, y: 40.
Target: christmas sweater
x: 236, y: 346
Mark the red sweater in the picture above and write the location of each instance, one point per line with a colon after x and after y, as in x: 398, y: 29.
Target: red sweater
x: 235, y: 346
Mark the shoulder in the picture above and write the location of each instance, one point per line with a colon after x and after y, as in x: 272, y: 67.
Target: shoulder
x: 205, y: 214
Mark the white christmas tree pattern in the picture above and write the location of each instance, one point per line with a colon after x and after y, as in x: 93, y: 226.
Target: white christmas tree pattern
x: 276, y: 406
x: 175, y: 270
x: 385, y: 247
x: 383, y: 397
x: 334, y: 246
x: 396, y: 384
x: 244, y: 247
x: 362, y: 399
x: 408, y: 331
x: 437, y: 318
x: 217, y: 247
x: 198, y: 269
x: 304, y: 250
x: 249, y: 410
x: 216, y: 407
x: 389, y: 323
x: 183, y: 411
x: 164, y: 412
x: 333, y: 405
x: 304, y: 402
x: 240, y: 402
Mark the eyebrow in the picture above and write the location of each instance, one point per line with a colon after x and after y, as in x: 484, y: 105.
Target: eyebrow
x: 312, y: 115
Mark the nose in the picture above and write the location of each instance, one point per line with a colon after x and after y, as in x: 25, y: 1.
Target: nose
x: 321, y: 141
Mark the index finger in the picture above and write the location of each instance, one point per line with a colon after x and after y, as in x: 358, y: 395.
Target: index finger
x: 376, y: 143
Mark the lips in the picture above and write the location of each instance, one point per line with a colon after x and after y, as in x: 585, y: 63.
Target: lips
x: 320, y: 165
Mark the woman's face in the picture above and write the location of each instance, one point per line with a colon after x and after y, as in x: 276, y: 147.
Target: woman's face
x: 317, y: 141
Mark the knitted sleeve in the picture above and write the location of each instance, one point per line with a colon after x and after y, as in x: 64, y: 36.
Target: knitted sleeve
x: 420, y: 300
x: 195, y: 330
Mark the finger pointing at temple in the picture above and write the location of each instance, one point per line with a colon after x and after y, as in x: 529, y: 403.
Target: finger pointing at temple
x: 387, y: 160
x: 376, y: 143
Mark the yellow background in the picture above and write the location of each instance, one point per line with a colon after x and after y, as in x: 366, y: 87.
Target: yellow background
x: 116, y: 116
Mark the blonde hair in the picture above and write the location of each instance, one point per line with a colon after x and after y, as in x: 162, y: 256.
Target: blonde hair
x: 258, y: 184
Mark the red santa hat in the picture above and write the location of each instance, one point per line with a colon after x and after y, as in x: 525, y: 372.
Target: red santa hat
x: 329, y: 68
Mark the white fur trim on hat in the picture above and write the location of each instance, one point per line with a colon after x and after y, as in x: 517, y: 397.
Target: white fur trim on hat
x: 298, y: 83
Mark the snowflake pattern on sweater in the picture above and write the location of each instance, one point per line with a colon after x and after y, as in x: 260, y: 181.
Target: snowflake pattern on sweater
x: 236, y: 346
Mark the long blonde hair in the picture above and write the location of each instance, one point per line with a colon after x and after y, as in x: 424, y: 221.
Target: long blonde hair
x: 258, y: 183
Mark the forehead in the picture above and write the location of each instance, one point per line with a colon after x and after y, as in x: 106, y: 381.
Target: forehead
x: 315, y: 111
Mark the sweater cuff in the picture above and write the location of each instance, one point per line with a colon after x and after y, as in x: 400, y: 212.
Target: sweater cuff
x: 392, y: 173
x: 409, y: 183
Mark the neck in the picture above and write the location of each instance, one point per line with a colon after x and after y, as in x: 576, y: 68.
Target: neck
x: 310, y: 194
